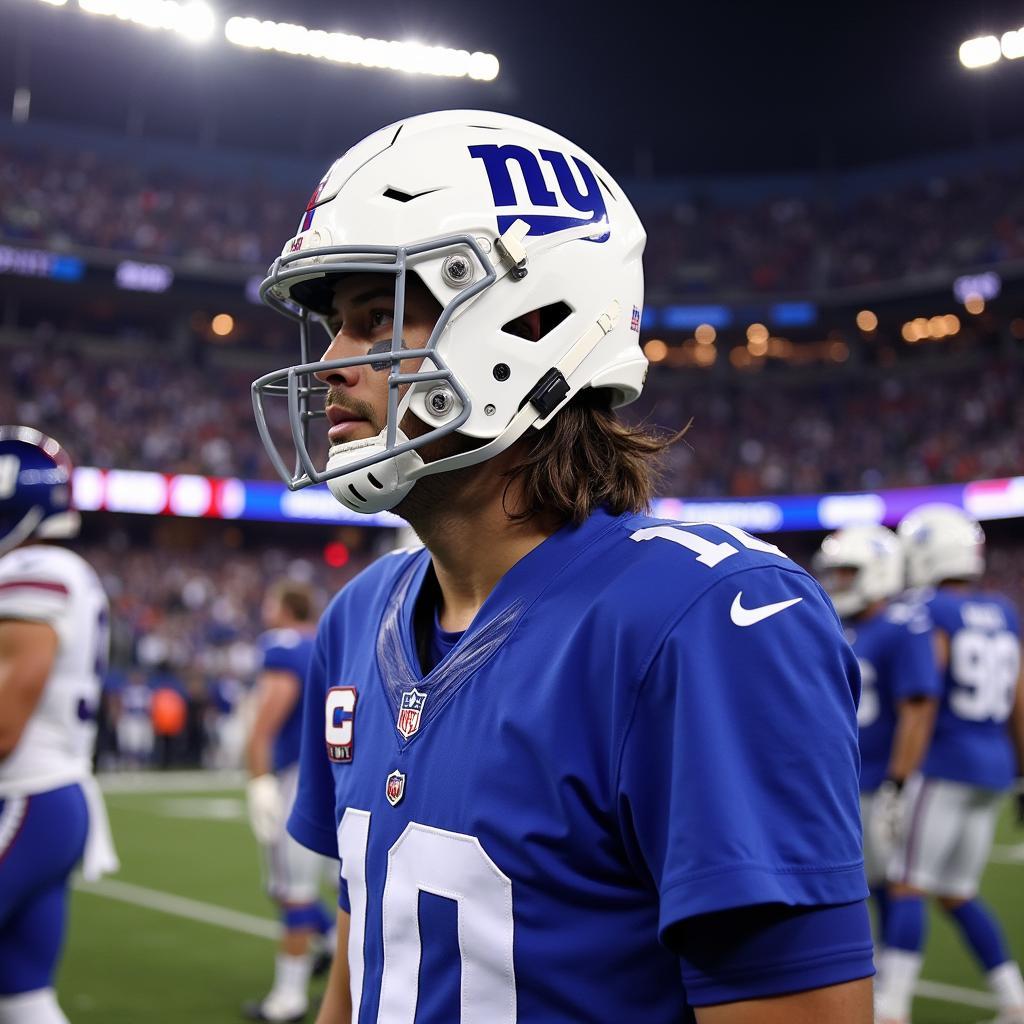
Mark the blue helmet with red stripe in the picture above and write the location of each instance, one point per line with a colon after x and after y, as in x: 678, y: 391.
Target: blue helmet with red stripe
x: 35, y: 488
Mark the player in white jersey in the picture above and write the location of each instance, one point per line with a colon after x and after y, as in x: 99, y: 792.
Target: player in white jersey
x: 976, y: 752
x: 53, y: 646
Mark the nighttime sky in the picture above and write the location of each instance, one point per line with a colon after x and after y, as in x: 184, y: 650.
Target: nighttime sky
x: 648, y: 88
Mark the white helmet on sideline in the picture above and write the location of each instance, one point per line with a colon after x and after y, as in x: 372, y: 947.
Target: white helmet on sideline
x: 873, y: 556
x: 941, y: 542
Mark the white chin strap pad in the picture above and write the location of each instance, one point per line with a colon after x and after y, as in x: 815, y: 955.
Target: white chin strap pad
x: 377, y: 488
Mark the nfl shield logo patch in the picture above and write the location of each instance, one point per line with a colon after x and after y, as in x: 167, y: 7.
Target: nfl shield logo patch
x: 410, y: 711
x: 395, y: 788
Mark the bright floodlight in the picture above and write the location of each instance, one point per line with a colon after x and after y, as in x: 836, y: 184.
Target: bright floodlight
x: 55, y: 3
x: 1012, y: 44
x: 193, y: 20
x: 414, y: 58
x: 980, y: 52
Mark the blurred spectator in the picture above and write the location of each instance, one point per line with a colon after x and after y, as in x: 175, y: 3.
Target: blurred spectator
x: 134, y: 722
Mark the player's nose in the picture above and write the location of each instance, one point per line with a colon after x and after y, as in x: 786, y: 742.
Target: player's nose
x: 341, y: 347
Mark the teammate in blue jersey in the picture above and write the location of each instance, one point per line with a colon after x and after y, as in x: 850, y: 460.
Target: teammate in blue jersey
x: 861, y: 568
x: 53, y: 649
x: 579, y: 764
x: 976, y: 753
x: 293, y: 873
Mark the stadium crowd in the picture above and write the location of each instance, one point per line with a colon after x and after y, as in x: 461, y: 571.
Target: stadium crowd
x: 794, y: 243
x: 843, y: 430
x: 697, y: 244
x: 61, y: 198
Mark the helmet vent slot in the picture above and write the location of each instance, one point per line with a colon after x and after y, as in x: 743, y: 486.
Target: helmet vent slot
x: 357, y: 495
x: 373, y: 480
x: 406, y: 197
x: 550, y: 317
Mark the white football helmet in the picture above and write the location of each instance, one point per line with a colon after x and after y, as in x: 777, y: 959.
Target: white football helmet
x: 873, y: 555
x: 498, y: 217
x: 941, y: 542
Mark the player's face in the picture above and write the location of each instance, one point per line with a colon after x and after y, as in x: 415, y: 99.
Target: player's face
x: 363, y: 316
x: 839, y: 579
x: 271, y: 612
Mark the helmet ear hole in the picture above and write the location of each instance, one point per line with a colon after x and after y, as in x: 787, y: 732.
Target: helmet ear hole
x: 547, y: 319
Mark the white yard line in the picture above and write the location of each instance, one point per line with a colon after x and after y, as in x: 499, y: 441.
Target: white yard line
x: 199, y: 781
x: 956, y: 994
x: 264, y: 928
x: 181, y: 906
x: 1008, y: 854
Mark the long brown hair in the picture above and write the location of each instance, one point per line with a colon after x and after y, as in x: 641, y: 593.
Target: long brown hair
x: 586, y: 458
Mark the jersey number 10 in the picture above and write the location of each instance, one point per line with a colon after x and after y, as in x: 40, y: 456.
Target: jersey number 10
x: 448, y: 864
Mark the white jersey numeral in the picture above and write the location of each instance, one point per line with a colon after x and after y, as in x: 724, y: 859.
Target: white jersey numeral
x: 448, y: 864
x: 870, y: 705
x: 9, y: 466
x: 708, y: 552
x: 353, y: 837
x: 984, y: 668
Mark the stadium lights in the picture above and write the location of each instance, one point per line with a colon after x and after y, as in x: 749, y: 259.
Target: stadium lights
x: 980, y: 52
x: 194, y: 20
x: 197, y: 21
x: 935, y: 328
x: 984, y: 51
x: 867, y: 321
x: 1012, y: 44
x: 655, y: 350
x: 342, y: 48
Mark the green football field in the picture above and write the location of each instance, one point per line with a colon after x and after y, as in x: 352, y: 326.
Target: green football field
x: 184, y: 934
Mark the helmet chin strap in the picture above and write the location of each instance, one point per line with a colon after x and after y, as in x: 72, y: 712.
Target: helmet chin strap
x: 380, y: 487
x: 376, y: 488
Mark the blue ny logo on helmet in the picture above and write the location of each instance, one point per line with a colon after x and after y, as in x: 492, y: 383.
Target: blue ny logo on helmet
x: 587, y: 201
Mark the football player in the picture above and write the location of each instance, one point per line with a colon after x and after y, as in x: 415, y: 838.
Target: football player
x: 579, y: 764
x: 861, y: 568
x: 293, y: 872
x: 976, y: 753
x: 53, y: 648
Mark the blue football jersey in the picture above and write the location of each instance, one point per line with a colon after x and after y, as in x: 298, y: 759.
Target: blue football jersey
x: 897, y: 661
x: 972, y: 740
x: 288, y: 650
x: 644, y: 722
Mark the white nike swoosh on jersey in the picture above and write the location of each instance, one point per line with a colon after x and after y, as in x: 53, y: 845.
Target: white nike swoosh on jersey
x: 748, y: 616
